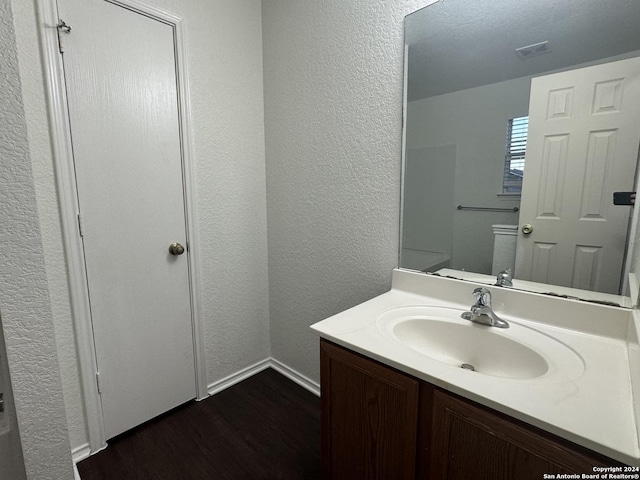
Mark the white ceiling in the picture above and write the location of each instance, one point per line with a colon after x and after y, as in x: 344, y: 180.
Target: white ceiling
x: 460, y: 44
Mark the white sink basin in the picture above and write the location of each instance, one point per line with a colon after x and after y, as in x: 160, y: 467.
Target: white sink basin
x: 518, y: 353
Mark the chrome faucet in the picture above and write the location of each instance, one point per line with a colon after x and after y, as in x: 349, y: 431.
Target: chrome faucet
x: 504, y: 278
x: 481, y: 311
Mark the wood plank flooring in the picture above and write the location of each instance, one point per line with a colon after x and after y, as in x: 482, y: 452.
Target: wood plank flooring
x: 265, y: 427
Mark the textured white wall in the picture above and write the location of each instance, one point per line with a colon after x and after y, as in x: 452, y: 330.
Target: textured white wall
x: 333, y: 75
x: 224, y: 47
x: 24, y: 296
x: 41, y: 157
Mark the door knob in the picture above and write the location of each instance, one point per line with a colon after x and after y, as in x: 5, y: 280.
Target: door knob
x: 527, y: 229
x: 176, y: 249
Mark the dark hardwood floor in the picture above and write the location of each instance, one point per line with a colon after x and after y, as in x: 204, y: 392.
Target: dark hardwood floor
x: 265, y: 427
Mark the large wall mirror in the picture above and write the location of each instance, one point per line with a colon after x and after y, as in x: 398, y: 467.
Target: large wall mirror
x: 522, y: 120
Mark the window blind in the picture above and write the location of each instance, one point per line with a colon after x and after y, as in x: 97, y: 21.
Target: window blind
x: 515, y: 155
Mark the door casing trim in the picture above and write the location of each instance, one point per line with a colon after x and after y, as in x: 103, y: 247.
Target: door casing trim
x: 67, y: 195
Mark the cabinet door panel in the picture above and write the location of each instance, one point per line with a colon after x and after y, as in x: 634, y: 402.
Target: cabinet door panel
x: 469, y: 441
x: 369, y: 418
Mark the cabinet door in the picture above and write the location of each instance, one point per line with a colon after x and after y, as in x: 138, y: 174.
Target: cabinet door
x: 369, y: 418
x: 469, y: 441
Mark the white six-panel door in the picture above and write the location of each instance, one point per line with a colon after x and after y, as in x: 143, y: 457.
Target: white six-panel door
x: 120, y: 73
x: 582, y: 146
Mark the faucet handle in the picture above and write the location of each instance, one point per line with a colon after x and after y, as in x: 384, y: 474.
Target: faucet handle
x: 504, y: 278
x: 482, y: 296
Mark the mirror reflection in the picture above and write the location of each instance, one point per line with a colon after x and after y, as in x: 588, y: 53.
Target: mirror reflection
x: 521, y: 124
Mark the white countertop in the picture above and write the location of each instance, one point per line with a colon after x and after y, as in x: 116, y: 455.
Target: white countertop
x: 595, y: 410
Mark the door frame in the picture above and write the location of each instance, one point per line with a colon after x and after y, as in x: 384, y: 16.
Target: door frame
x: 67, y: 195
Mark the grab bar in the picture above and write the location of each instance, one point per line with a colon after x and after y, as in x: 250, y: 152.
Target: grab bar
x: 489, y: 209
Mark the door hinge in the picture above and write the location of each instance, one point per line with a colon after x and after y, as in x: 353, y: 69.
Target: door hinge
x: 62, y: 28
x: 98, y: 382
x: 80, y: 226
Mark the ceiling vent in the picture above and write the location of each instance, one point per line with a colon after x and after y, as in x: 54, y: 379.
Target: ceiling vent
x: 533, y: 50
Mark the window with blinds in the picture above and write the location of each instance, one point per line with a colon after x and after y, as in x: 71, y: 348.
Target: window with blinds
x: 514, y: 158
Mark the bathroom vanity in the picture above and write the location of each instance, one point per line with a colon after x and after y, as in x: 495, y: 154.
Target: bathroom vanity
x: 551, y: 394
x: 379, y: 422
x: 412, y: 388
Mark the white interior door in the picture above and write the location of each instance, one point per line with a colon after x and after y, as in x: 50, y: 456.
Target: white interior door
x: 123, y: 108
x: 582, y: 146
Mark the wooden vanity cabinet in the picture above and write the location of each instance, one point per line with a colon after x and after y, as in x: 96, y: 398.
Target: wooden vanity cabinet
x: 472, y: 441
x: 379, y: 423
x: 369, y: 418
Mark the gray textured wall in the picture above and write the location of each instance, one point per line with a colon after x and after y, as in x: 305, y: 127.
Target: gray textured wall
x: 24, y: 297
x: 333, y: 76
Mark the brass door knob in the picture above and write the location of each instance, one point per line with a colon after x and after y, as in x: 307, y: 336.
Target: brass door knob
x: 176, y: 249
x: 527, y: 229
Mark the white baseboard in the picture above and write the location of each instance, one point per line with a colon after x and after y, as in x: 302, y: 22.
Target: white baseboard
x: 80, y: 452
x: 297, y: 377
x: 251, y: 370
x: 237, y: 377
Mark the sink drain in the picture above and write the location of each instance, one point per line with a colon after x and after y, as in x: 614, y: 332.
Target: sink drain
x: 468, y: 366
